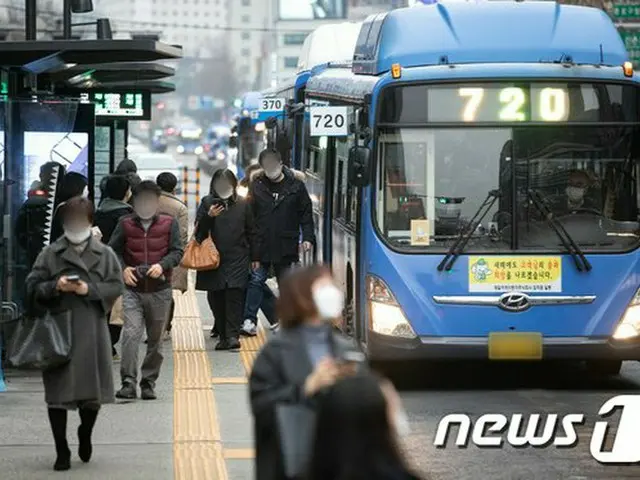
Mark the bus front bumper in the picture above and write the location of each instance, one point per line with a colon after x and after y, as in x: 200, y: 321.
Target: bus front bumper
x: 386, y: 348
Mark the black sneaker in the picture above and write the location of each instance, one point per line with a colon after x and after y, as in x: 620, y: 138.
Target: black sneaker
x: 214, y: 333
x: 233, y: 343
x: 222, y: 345
x: 147, y: 392
x: 127, y: 392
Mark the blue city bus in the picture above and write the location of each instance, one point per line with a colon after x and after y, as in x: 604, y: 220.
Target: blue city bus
x: 484, y: 204
x: 249, y: 129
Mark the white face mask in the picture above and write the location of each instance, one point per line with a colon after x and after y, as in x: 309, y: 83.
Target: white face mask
x: 77, y: 236
x: 574, y: 194
x: 85, y: 192
x: 273, y: 173
x: 401, y: 423
x: 329, y: 301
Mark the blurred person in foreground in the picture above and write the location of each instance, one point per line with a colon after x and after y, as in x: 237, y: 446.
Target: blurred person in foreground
x: 228, y: 219
x: 171, y: 205
x: 296, y: 366
x: 149, y: 247
x: 113, y: 207
x: 86, y: 381
x: 359, y: 426
x: 283, y: 213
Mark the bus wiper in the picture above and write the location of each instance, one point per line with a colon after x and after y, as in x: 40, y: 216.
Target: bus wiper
x: 567, y: 242
x: 464, y: 236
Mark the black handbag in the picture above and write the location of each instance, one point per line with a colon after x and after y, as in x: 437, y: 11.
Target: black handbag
x: 296, y: 430
x: 41, y: 342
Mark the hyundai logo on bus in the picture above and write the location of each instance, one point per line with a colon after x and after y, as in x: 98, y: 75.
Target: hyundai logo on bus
x: 514, y: 302
x: 489, y: 429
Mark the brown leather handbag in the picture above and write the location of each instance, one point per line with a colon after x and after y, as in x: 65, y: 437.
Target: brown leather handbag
x: 201, y: 256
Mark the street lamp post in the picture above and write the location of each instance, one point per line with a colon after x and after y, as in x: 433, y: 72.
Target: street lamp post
x: 30, y: 20
x: 73, y: 6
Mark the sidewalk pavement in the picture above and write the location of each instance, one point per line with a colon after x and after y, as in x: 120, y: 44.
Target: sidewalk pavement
x: 199, y: 428
x: 132, y: 440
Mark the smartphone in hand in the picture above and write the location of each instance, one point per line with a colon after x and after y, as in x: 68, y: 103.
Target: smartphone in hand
x: 73, y: 278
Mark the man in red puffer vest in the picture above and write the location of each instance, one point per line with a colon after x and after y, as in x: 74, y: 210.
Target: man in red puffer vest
x: 149, y: 247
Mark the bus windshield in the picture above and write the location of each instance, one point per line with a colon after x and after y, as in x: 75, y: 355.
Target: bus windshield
x: 432, y: 181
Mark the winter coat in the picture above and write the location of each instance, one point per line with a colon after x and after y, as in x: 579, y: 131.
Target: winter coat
x: 109, y: 214
x: 280, y: 221
x: 174, y: 207
x: 278, y: 377
x: 234, y: 236
x: 89, y: 374
x: 137, y: 247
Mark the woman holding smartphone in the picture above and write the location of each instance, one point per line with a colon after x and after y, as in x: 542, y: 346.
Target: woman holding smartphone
x: 80, y: 274
x: 297, y: 366
x: 228, y: 219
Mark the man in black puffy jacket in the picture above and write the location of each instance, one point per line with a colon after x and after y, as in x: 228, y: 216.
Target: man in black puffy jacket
x: 283, y: 217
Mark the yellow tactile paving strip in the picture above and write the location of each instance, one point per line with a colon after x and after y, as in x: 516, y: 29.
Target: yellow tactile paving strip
x: 197, y: 447
x: 250, y: 346
x: 197, y: 444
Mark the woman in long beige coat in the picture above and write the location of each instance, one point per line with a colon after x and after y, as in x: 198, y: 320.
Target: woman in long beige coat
x: 86, y: 381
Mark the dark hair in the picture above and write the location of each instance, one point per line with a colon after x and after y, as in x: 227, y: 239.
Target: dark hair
x: 126, y: 166
x: 76, y: 206
x: 228, y: 175
x: 246, y: 180
x: 295, y: 303
x: 269, y: 152
x: 72, y: 185
x: 146, y: 186
x: 167, y: 182
x: 353, y: 437
x: 48, y: 168
x: 116, y: 187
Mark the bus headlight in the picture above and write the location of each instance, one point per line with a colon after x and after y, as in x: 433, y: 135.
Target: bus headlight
x: 386, y: 317
x: 198, y: 150
x: 629, y: 326
x: 180, y: 149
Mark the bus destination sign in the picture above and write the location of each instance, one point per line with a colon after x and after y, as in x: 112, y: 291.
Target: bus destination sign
x: 121, y: 105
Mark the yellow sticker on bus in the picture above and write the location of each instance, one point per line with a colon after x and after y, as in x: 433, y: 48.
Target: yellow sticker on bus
x: 523, y: 274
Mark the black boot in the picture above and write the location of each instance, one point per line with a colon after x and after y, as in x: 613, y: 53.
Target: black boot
x: 58, y: 421
x: 88, y: 420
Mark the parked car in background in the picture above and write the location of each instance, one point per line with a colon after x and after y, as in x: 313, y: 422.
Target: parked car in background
x: 190, y: 141
x: 159, y: 142
x: 150, y: 165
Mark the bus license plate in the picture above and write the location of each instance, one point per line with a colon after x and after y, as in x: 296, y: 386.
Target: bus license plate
x: 515, y: 346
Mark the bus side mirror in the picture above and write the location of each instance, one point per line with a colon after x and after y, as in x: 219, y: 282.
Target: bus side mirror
x: 359, y: 166
x: 233, y: 141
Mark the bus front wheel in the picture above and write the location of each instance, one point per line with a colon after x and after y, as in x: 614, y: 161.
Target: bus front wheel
x: 604, y: 367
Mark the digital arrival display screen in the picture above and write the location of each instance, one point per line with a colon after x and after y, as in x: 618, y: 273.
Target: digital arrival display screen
x: 512, y: 102
x: 121, y: 105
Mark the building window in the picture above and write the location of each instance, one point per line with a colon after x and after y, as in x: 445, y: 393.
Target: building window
x: 290, y: 62
x: 245, y: 19
x: 246, y: 35
x: 294, y: 38
x: 244, y: 70
x: 245, y: 52
x: 246, y: 3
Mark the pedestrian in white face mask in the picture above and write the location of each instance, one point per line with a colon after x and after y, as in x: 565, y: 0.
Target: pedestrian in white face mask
x: 359, y: 427
x: 304, y: 359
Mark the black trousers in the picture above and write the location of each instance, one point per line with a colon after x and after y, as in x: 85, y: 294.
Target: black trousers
x: 114, y: 333
x: 172, y: 310
x: 227, y: 307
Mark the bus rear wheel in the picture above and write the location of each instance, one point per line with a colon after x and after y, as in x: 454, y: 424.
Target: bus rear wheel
x: 604, y: 367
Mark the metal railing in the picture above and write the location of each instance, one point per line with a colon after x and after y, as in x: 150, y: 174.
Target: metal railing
x: 190, y: 186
